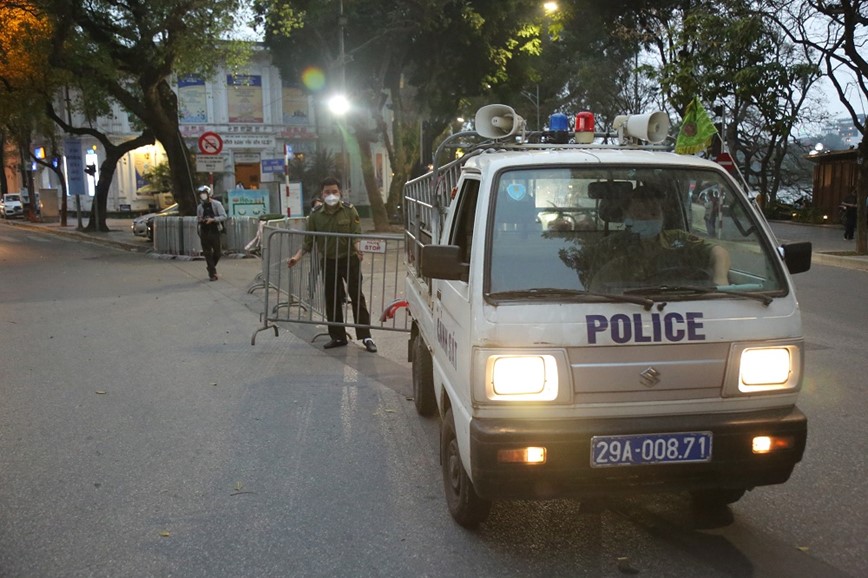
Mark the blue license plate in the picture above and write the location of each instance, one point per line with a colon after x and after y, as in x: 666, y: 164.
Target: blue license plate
x: 640, y: 449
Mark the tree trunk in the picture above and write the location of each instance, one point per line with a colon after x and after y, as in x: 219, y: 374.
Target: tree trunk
x: 4, y: 185
x: 96, y: 219
x: 113, y: 155
x: 375, y: 196
x: 162, y: 106
x: 861, y: 195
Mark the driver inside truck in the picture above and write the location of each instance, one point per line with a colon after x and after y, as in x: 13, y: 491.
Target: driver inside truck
x: 646, y: 252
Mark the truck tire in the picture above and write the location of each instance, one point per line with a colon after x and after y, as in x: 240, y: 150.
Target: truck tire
x: 466, y: 507
x: 423, y: 379
x: 716, y: 498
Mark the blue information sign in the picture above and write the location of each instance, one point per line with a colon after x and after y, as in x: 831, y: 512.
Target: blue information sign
x: 74, y: 166
x: 272, y: 165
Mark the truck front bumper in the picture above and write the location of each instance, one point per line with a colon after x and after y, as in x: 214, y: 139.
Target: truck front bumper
x: 567, y: 471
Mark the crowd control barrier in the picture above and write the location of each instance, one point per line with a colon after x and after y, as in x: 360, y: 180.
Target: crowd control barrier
x: 258, y: 244
x: 180, y: 235
x: 298, y: 294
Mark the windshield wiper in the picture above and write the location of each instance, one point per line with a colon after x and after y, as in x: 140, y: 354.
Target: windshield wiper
x: 545, y: 292
x: 661, y: 289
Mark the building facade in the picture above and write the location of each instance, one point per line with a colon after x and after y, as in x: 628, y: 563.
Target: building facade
x: 241, y: 125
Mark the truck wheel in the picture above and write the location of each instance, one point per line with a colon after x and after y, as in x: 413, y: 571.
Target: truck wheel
x: 423, y: 379
x: 467, y: 508
x: 716, y: 498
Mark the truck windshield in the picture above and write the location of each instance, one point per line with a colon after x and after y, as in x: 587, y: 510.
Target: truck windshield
x: 615, y: 231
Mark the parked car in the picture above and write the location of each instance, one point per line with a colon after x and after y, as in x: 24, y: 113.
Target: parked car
x: 144, y: 226
x: 10, y: 206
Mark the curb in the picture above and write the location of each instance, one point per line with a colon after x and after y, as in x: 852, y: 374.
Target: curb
x: 88, y: 237
x: 859, y: 263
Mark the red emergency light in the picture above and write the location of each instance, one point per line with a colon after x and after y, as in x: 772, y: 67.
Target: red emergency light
x: 585, y: 124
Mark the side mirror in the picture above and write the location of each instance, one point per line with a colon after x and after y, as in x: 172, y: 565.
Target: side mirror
x: 797, y: 256
x: 443, y: 262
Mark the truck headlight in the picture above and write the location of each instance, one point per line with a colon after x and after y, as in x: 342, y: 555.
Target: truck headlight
x: 522, y: 377
x: 768, y: 368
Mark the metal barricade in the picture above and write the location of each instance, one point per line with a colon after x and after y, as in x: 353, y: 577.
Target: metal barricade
x: 177, y: 236
x: 299, y: 293
x: 180, y: 235
x: 258, y: 244
x: 239, y: 232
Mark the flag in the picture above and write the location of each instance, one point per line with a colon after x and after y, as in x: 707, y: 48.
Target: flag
x: 696, y: 130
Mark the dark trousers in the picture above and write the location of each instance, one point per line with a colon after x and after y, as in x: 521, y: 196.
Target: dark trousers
x: 210, y: 249
x: 850, y: 223
x: 336, y: 272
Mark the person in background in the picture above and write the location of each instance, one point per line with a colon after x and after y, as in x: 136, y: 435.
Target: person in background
x: 340, y: 262
x: 712, y: 212
x: 210, y: 216
x: 849, y: 207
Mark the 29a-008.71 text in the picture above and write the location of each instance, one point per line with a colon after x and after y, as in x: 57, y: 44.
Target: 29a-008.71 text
x: 650, y: 449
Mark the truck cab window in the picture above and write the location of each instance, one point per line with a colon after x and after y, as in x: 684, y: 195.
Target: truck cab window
x: 462, y: 227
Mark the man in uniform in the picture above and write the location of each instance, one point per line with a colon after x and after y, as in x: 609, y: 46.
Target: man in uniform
x: 645, y: 252
x: 341, y: 259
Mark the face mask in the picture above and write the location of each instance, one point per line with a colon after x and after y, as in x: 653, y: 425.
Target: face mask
x: 645, y: 228
x: 204, y: 197
x: 331, y: 200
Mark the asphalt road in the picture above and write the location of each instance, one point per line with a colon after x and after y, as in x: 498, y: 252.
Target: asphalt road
x: 141, y: 434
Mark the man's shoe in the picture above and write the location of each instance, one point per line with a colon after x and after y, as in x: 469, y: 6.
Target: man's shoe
x: 370, y: 345
x: 335, y: 343
x: 213, y: 277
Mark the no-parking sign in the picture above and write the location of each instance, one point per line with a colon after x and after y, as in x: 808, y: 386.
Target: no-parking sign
x: 210, y: 143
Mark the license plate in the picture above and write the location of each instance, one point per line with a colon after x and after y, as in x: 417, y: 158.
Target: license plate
x: 640, y: 449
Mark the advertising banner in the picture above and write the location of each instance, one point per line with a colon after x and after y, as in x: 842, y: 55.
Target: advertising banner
x: 248, y: 202
x: 244, y: 96
x: 192, y: 101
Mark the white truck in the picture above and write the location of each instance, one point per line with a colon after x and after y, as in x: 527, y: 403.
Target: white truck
x: 575, y: 346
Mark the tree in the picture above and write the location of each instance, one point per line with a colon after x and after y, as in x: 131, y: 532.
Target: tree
x: 836, y: 32
x: 23, y: 80
x: 586, y: 62
x: 113, y: 154
x: 737, y: 62
x: 403, y: 63
x: 131, y: 50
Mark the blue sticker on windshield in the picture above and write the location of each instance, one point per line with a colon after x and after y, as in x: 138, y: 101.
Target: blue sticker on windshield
x: 516, y: 191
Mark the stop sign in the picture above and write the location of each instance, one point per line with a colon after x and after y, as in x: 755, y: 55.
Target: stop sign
x: 725, y: 160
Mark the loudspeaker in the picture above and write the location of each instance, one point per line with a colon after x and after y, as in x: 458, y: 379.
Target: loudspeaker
x: 652, y: 127
x: 498, y: 121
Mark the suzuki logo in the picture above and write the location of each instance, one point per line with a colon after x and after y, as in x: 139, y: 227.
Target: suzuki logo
x: 650, y: 377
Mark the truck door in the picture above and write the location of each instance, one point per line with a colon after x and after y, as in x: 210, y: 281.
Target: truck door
x: 452, y: 311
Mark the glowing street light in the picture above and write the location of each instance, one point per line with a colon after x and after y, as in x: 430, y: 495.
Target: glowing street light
x: 550, y: 7
x: 339, y: 105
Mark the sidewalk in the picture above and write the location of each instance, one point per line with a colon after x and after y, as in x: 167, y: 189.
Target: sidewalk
x: 120, y: 235
x: 829, y: 245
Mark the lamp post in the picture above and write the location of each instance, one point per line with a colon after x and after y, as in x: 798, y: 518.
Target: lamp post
x: 549, y: 8
x: 339, y: 106
x: 534, y: 100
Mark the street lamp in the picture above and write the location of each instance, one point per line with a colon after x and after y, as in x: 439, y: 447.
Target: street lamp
x: 339, y: 105
x: 549, y: 8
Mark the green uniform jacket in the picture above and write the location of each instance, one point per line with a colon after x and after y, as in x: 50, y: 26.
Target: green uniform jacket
x: 343, y: 219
